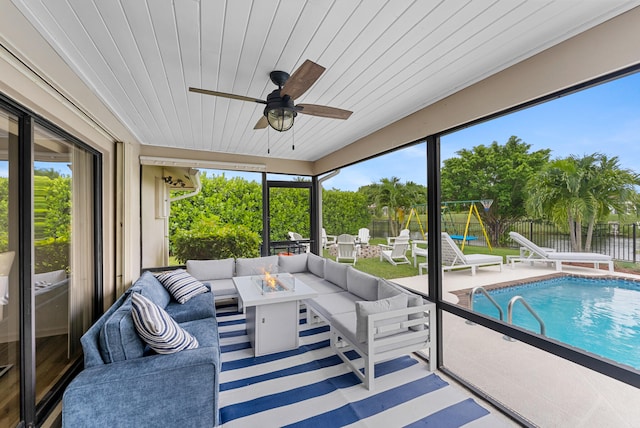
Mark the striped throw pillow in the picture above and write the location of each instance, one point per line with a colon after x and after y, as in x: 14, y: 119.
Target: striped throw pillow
x: 157, y: 329
x: 181, y: 284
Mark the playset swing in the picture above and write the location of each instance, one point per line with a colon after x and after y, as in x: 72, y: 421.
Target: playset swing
x: 473, y: 210
x: 411, y: 213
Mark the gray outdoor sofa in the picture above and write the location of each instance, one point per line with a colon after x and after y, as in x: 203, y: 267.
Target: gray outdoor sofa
x: 374, y: 317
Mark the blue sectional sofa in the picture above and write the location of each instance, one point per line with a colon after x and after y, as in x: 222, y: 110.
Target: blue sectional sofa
x: 124, y: 384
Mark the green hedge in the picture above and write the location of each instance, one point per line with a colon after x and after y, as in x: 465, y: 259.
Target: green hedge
x: 210, y: 240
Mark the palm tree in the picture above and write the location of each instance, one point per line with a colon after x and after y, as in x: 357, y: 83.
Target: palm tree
x: 390, y: 192
x: 572, y: 191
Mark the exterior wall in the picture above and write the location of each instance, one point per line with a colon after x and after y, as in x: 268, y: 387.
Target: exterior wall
x: 154, y: 223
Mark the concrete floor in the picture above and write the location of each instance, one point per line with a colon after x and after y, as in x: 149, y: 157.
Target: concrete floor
x: 546, y: 390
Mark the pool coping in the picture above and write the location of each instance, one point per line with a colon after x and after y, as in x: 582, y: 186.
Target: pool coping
x: 463, y: 295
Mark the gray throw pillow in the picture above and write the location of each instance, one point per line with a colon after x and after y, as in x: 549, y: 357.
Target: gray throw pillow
x: 364, y: 309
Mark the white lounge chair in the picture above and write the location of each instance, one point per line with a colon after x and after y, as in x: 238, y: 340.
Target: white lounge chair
x: 418, y: 251
x: 363, y: 236
x: 327, y: 240
x: 404, y: 233
x: 296, y: 237
x: 347, y: 249
x: 541, y: 254
x: 395, y: 254
x: 453, y: 258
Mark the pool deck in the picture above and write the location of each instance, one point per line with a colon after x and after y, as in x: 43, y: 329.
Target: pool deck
x: 546, y: 390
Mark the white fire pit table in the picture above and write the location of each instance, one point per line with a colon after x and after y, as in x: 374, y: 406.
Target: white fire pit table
x: 273, y: 316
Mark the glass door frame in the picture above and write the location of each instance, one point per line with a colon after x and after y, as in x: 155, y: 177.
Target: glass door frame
x: 267, y: 185
x: 33, y: 412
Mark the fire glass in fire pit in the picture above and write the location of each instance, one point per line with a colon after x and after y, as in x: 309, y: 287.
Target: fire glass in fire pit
x: 269, y: 283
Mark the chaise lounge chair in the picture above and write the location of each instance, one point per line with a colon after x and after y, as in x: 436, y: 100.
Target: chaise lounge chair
x: 540, y: 254
x: 453, y: 258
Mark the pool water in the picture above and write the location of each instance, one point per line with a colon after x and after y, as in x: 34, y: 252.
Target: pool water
x: 601, y: 316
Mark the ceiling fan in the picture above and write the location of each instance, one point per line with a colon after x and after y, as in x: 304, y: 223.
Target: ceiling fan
x: 280, y: 109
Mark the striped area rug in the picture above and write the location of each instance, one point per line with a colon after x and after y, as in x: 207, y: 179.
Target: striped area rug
x: 311, y: 387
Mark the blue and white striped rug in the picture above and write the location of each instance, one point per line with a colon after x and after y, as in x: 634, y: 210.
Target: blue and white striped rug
x: 311, y: 387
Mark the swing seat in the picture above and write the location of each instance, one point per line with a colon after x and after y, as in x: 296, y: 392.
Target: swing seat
x: 461, y: 237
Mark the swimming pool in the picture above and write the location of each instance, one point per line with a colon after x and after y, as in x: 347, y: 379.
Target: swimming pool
x: 601, y: 316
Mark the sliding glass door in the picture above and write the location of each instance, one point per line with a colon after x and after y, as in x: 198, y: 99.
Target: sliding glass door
x: 49, y: 275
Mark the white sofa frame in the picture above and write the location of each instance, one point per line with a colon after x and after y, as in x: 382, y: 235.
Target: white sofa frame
x: 377, y: 349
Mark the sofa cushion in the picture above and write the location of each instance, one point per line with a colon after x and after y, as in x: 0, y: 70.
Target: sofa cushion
x: 199, y: 307
x: 119, y: 339
x: 389, y: 289
x: 181, y: 285
x: 386, y: 289
x: 364, y: 309
x: 292, y: 264
x: 336, y: 273
x: 315, y: 264
x: 158, y: 329
x: 149, y: 286
x: 319, y: 284
x: 256, y: 266
x: 362, y: 284
x: 206, y: 270
x: 223, y: 288
x: 328, y: 305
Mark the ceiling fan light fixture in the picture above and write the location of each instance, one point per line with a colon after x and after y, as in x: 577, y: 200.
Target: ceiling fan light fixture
x: 281, y: 118
x: 280, y: 111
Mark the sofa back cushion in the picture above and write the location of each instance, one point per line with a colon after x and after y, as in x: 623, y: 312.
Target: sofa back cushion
x: 387, y: 289
x: 315, y: 264
x: 336, y: 273
x: 293, y: 264
x: 362, y: 284
x: 149, y: 286
x: 119, y: 339
x: 206, y: 270
x: 364, y: 309
x: 256, y: 266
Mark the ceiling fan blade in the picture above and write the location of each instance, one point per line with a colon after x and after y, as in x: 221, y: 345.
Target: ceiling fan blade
x: 324, y: 111
x: 225, y: 95
x: 302, y: 79
x: 262, y: 123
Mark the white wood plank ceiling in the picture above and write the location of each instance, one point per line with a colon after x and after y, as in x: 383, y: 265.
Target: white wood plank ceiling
x: 384, y: 59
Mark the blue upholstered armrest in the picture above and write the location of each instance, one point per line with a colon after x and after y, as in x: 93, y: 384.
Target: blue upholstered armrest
x: 159, y: 390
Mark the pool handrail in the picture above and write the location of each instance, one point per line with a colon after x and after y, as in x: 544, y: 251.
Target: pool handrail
x: 513, y: 301
x: 493, y: 302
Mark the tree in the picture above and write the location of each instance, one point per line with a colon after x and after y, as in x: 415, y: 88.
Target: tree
x: 573, y: 191
x: 396, y: 197
x: 498, y: 172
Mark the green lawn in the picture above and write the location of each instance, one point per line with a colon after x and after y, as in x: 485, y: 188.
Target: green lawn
x: 384, y: 269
